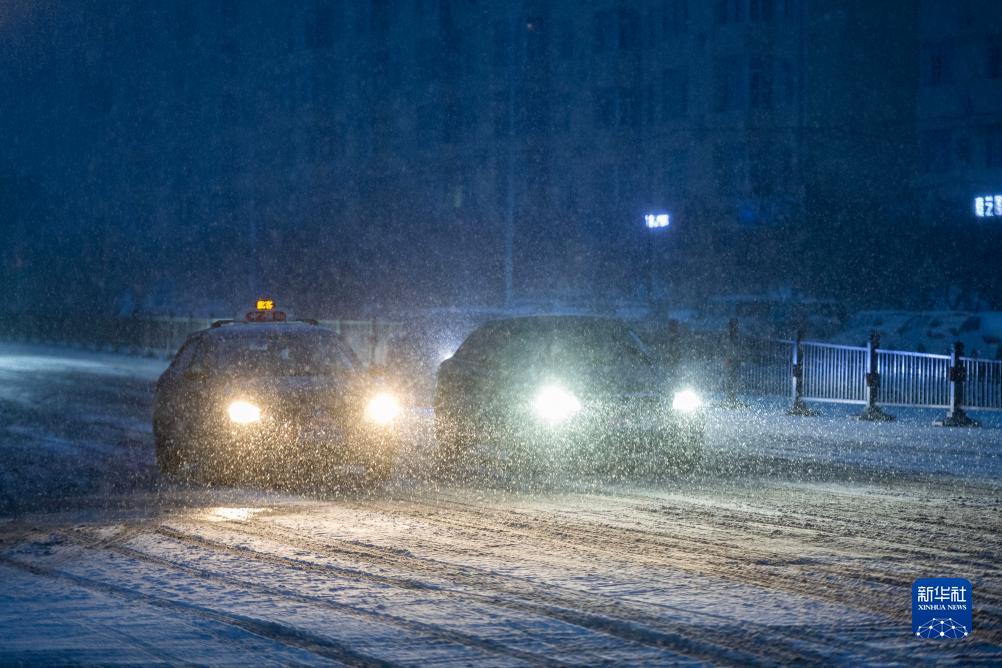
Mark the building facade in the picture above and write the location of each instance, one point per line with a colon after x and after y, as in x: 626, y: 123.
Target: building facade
x: 464, y: 150
x: 959, y: 111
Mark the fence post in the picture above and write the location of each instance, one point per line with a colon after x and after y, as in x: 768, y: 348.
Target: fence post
x: 873, y: 412
x: 955, y: 415
x: 731, y: 363
x: 799, y: 407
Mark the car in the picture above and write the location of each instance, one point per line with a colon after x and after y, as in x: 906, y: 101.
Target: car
x: 273, y: 399
x: 575, y: 392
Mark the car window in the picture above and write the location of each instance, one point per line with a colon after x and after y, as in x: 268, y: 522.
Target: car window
x: 482, y: 345
x: 182, y: 359
x: 270, y: 353
x: 597, y: 345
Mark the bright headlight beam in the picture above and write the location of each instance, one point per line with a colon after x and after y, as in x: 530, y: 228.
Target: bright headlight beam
x: 554, y: 404
x: 686, y: 401
x: 243, y: 412
x: 382, y: 409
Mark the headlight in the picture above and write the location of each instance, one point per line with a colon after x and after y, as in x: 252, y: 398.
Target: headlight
x: 686, y: 401
x: 382, y: 409
x: 554, y: 404
x: 243, y: 412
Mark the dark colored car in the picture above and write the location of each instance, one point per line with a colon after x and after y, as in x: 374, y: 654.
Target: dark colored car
x: 272, y: 400
x: 565, y: 391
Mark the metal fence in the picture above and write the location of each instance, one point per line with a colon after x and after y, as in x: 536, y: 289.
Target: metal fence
x: 825, y: 372
x: 834, y: 373
x: 763, y: 367
x: 913, y: 379
x: 983, y: 387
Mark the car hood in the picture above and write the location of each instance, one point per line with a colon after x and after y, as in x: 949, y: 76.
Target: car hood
x: 293, y: 391
x: 600, y: 382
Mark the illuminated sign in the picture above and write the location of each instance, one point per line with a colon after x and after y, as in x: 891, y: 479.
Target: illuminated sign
x: 265, y: 312
x: 988, y: 206
x: 656, y: 220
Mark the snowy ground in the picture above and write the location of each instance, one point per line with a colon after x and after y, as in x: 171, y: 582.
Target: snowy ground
x: 797, y: 541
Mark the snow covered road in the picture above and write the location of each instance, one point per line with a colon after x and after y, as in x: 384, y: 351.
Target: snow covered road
x: 797, y: 541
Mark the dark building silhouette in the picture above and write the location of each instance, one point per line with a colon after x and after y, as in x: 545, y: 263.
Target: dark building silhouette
x: 361, y: 154
x: 960, y: 110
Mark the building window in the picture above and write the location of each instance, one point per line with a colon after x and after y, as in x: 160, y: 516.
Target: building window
x: 995, y: 60
x: 760, y: 10
x: 729, y: 11
x: 937, y: 66
x: 936, y: 154
x: 760, y: 83
x: 728, y: 93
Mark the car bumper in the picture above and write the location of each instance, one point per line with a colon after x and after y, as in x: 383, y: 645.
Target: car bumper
x: 297, y: 449
x: 632, y: 441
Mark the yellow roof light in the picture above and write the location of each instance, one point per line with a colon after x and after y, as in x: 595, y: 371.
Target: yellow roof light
x: 265, y: 304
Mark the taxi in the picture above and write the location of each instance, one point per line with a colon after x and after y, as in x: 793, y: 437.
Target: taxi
x: 273, y: 399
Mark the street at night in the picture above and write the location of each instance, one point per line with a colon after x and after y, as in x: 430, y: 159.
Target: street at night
x: 791, y: 542
x: 500, y: 332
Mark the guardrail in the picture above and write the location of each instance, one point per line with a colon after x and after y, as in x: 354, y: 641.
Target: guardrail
x: 913, y: 379
x: 814, y: 371
x: 834, y: 373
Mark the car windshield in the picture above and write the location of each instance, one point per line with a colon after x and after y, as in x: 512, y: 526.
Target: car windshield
x: 596, y: 346
x: 600, y: 354
x: 275, y: 354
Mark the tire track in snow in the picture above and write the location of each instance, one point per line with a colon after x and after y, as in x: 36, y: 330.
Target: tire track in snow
x: 676, y: 552
x: 517, y: 593
x: 607, y: 619
x: 274, y: 631
x: 437, y: 632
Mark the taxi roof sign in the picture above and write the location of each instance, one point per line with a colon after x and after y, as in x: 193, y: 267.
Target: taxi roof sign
x: 265, y: 312
x: 265, y: 316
